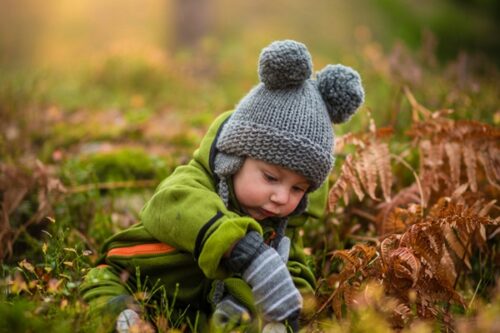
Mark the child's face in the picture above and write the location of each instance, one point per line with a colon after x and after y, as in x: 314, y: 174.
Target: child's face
x: 266, y: 190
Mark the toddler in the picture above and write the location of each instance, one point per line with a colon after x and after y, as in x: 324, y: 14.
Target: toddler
x: 218, y: 243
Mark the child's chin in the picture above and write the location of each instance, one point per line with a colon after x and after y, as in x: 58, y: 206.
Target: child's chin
x: 258, y: 218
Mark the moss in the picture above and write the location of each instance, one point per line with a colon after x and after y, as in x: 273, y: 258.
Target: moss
x: 125, y: 164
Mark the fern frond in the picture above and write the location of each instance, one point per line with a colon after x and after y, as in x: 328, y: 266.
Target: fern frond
x: 449, y: 265
x: 365, y: 252
x: 350, y: 293
x: 462, y: 227
x: 490, y: 171
x: 431, y: 164
x: 360, y: 170
x: 404, y: 198
x: 383, y: 162
x: 337, y: 302
x: 470, y: 141
x: 388, y: 245
x: 347, y: 257
x: 405, y: 266
x: 469, y: 156
x: 494, y: 155
x: 426, y: 240
x: 339, y: 189
x: 485, y: 209
x: 430, y: 229
x: 401, y: 314
x: 453, y: 152
x: 394, y: 224
x: 457, y: 244
x: 352, y: 178
x: 367, y: 172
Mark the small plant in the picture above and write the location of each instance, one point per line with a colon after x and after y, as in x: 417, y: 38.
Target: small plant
x: 43, y: 295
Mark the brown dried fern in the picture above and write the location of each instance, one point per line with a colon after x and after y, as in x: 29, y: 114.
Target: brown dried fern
x: 425, y: 260
x: 361, y: 171
x: 355, y: 262
x: 450, y: 155
x: 16, y: 184
x: 423, y: 251
x: 466, y: 145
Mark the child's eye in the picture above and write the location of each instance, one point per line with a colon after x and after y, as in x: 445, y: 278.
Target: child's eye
x: 299, y: 189
x: 270, y: 177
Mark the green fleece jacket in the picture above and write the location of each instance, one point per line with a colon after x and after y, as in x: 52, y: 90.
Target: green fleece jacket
x: 184, y: 232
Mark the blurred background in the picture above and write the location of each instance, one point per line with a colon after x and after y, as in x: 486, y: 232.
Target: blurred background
x: 83, y: 76
x: 89, y: 76
x: 61, y: 33
x: 158, y: 53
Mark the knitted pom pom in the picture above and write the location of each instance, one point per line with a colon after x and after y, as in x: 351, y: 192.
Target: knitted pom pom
x: 284, y: 64
x: 341, y: 89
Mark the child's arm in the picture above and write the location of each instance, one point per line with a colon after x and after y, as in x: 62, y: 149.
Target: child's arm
x: 187, y: 213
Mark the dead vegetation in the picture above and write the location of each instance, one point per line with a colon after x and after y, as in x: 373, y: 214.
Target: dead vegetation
x: 427, y: 233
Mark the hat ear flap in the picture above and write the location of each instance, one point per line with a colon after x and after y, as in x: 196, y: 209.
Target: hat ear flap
x: 341, y: 89
x: 224, y: 166
x: 302, y: 205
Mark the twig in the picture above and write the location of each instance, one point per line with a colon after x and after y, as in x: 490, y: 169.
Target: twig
x: 328, y: 301
x: 474, y: 295
x: 364, y: 238
x: 416, y: 106
x: 364, y: 214
x: 417, y: 180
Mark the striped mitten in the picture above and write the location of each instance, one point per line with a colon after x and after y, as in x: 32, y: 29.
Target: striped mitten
x: 283, y: 248
x: 264, y: 270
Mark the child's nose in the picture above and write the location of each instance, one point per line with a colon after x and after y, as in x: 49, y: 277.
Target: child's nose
x: 280, y: 196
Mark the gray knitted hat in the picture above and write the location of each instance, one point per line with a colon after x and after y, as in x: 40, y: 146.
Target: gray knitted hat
x: 286, y: 119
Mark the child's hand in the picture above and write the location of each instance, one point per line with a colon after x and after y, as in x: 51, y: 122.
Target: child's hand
x: 264, y: 270
x: 272, y: 286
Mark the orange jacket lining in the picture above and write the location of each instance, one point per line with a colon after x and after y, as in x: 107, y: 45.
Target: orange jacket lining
x: 156, y: 248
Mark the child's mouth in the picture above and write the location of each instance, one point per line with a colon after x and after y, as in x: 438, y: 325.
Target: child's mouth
x: 267, y: 213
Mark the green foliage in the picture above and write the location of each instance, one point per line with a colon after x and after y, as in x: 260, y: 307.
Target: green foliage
x: 457, y: 24
x: 96, y: 210
x: 122, y: 164
x: 51, y: 284
x: 22, y: 316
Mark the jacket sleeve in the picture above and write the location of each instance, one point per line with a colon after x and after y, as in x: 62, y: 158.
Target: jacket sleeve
x: 186, y: 212
x: 302, y: 274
